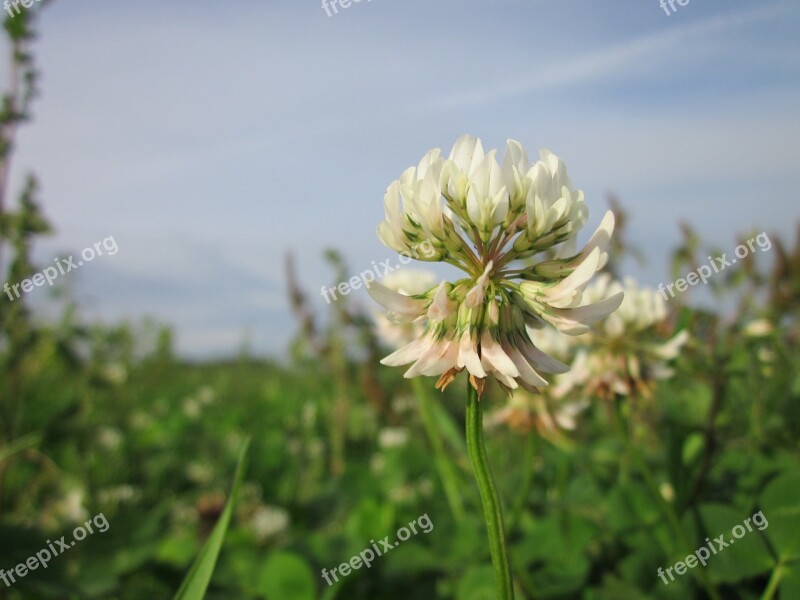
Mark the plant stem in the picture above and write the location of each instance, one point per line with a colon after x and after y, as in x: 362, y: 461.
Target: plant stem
x: 774, y: 582
x: 492, y: 511
x: 446, y: 472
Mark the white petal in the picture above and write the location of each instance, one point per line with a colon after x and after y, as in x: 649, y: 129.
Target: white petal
x: 601, y: 237
x: 477, y: 294
x: 438, y: 358
x: 567, y: 248
x: 468, y: 356
x: 578, y: 278
x: 396, y: 302
x: 591, y: 313
x: 494, y: 358
x: 515, y: 156
x: 670, y: 350
x: 442, y: 306
x: 408, y: 353
x: 544, y: 361
x: 566, y: 326
x: 467, y: 152
x: 526, y: 371
x: 507, y: 381
x: 432, y: 157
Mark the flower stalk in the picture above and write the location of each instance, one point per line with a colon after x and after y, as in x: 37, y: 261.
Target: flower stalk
x: 492, y: 510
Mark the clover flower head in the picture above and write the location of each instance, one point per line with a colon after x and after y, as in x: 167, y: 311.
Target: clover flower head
x: 550, y: 418
x: 485, y: 216
x: 625, y: 354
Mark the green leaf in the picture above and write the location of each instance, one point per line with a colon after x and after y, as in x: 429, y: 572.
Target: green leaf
x: 199, y: 576
x: 780, y: 504
x: 790, y: 582
x: 477, y: 584
x: 692, y: 448
x: 287, y: 575
x: 742, y: 557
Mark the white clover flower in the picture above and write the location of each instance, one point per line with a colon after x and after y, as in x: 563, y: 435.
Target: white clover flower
x: 191, y: 408
x: 758, y: 328
x: 116, y: 373
x: 269, y: 521
x: 71, y: 507
x: 392, y: 437
x: 482, y: 216
x: 199, y: 472
x: 109, y: 438
x: 525, y: 412
x: 119, y: 494
x: 624, y: 355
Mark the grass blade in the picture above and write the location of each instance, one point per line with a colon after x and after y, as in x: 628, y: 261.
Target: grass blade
x: 199, y: 576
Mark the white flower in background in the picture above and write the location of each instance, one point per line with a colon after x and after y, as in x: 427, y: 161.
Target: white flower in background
x: 625, y: 354
x: 193, y: 405
x: 109, y: 437
x: 408, y: 282
x: 70, y: 507
x: 525, y: 412
x: 205, y: 395
x: 404, y: 403
x: 269, y: 521
x: 392, y: 437
x: 758, y: 333
x: 199, y: 472
x: 141, y: 420
x: 482, y: 216
x: 191, y: 408
x: 758, y: 328
x: 116, y: 373
x: 119, y: 494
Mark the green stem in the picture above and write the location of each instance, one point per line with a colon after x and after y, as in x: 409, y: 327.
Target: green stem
x: 446, y: 471
x: 492, y: 511
x: 774, y: 581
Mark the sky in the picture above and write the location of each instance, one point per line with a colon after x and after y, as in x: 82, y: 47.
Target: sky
x: 211, y: 138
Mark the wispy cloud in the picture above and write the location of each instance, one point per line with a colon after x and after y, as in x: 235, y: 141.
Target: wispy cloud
x: 612, y: 61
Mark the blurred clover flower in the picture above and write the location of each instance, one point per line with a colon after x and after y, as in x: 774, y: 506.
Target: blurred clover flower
x: 547, y: 413
x: 525, y: 412
x: 622, y: 356
x: 481, y: 216
x: 268, y: 521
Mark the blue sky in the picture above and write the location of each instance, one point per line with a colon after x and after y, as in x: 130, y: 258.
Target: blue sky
x: 211, y: 137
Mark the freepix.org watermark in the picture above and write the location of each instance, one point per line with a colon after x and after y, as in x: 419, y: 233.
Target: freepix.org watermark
x: 671, y: 3
x: 718, y: 263
x: 715, y: 546
x: 45, y: 555
x: 50, y: 274
x: 15, y: 3
x: 366, y: 556
x: 331, y: 4
x: 378, y: 271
